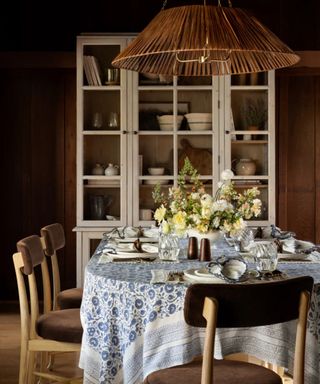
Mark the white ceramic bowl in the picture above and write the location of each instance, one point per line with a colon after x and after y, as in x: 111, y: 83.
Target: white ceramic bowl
x: 199, y: 121
x: 156, y: 171
x: 166, y: 122
x: 198, y: 117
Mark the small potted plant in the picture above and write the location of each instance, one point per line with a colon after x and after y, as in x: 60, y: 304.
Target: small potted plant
x: 255, y: 114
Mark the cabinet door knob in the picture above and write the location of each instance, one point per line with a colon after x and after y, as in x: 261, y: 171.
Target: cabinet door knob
x: 227, y: 132
x: 124, y: 132
x: 135, y: 132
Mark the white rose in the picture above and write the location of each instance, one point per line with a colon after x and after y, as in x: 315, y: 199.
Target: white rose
x: 221, y: 205
x: 227, y: 174
x: 206, y: 200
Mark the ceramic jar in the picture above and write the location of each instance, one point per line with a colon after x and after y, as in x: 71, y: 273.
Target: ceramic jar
x: 245, y: 167
x: 111, y: 170
x: 97, y: 169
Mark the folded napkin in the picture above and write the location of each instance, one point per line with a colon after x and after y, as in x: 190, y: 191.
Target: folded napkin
x: 105, y: 258
x: 293, y: 245
x: 164, y: 276
x: 288, y: 245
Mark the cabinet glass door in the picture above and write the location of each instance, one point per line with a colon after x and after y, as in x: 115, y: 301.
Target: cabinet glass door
x: 102, y: 134
x: 175, y: 119
x: 249, y: 137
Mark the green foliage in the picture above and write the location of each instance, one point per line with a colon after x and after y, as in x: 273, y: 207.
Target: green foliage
x: 255, y: 112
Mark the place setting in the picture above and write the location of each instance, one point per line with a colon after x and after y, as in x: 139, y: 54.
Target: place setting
x: 135, y: 251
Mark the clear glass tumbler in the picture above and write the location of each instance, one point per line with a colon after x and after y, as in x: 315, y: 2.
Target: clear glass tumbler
x: 169, y: 246
x: 266, y: 256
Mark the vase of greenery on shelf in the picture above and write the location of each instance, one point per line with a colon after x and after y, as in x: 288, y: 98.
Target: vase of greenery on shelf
x: 255, y: 115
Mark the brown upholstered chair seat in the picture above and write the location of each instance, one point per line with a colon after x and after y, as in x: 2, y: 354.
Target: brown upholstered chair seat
x: 63, y: 325
x: 70, y: 298
x: 225, y: 372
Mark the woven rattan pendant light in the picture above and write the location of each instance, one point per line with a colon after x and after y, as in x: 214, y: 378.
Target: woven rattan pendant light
x: 205, y: 40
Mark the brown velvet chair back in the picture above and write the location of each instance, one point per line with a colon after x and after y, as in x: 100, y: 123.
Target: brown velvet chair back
x: 54, y: 238
x: 248, y: 305
x: 32, y: 253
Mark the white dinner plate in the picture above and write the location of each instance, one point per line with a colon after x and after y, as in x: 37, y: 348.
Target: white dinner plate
x: 293, y: 256
x: 125, y: 247
x: 281, y: 256
x: 132, y: 255
x: 201, y: 276
x: 149, y: 248
x: 133, y: 239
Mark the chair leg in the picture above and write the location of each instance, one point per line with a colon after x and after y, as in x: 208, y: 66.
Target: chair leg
x: 23, y: 364
x: 31, y: 367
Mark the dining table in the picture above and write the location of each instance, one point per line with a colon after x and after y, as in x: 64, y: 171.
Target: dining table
x: 133, y: 326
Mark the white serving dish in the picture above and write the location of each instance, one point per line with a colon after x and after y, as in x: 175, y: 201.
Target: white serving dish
x: 166, y: 122
x: 156, y: 171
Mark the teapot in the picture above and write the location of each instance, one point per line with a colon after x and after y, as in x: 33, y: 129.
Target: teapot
x: 245, y: 167
x: 111, y: 170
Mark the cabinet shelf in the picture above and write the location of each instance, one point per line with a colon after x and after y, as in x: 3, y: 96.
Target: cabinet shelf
x: 101, y: 132
x: 254, y: 177
x: 249, y: 87
x: 101, y: 87
x: 248, y: 142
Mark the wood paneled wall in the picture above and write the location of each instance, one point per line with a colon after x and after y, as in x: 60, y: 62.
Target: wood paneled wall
x: 298, y: 153
x: 37, y: 153
x: 38, y: 138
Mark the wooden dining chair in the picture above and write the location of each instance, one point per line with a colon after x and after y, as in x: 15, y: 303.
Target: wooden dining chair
x: 53, y: 239
x: 53, y: 331
x: 240, y: 305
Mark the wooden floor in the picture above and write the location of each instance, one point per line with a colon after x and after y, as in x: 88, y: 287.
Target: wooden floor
x: 10, y: 348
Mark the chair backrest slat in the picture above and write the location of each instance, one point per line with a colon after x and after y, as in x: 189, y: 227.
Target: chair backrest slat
x: 248, y: 305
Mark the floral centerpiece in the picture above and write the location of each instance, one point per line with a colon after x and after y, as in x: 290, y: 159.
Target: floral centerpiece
x: 188, y: 206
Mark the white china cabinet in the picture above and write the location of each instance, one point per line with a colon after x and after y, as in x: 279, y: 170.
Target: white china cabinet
x: 128, y: 123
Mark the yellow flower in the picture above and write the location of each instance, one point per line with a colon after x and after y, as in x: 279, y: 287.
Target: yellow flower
x: 179, y: 221
x: 165, y: 227
x: 202, y: 228
x: 160, y: 213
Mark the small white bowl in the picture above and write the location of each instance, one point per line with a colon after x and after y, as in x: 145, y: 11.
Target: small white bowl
x: 200, y: 126
x: 198, y: 117
x: 199, y: 121
x: 166, y: 122
x: 156, y: 171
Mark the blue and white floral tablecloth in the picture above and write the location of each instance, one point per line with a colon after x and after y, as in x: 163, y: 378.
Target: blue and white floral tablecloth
x: 132, y: 327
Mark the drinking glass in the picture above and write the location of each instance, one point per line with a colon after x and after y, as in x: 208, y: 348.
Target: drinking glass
x: 97, y: 120
x: 266, y: 256
x: 168, y: 246
x: 113, y: 121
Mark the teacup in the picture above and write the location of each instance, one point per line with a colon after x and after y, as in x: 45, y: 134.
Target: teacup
x: 145, y: 214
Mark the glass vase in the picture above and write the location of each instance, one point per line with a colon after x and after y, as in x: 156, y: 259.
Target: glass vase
x: 168, y: 246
